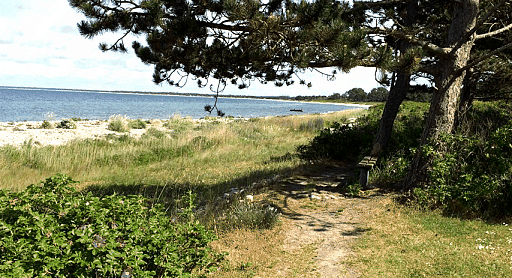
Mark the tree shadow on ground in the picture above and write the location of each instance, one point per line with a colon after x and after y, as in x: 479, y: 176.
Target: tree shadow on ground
x: 170, y: 193
x: 304, y: 181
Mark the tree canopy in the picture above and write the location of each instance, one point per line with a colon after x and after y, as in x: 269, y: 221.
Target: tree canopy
x: 271, y: 41
x: 232, y: 41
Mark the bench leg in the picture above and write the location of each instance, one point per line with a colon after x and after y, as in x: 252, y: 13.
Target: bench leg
x: 363, y: 177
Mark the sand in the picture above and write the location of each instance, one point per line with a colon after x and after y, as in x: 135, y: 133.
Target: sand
x: 18, y: 133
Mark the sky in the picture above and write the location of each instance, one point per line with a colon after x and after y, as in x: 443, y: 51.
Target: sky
x: 40, y: 46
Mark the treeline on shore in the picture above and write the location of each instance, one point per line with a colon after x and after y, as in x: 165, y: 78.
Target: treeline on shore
x: 420, y: 93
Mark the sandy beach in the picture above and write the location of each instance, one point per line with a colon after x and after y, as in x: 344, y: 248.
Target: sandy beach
x: 18, y: 133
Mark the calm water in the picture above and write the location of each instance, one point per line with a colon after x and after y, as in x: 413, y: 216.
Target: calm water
x: 23, y: 104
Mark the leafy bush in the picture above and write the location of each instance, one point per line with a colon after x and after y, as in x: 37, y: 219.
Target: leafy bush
x: 338, y: 142
x: 470, y: 175
x: 117, y: 124
x: 50, y: 229
x: 342, y: 141
x: 350, y: 142
x: 392, y: 169
x: 137, y: 124
x: 67, y: 124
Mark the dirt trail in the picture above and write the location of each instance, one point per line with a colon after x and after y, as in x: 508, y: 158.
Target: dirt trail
x: 316, y: 213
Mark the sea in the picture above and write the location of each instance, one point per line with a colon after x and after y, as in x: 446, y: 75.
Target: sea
x: 38, y: 104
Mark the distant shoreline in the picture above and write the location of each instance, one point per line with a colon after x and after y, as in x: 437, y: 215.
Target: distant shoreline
x: 277, y: 98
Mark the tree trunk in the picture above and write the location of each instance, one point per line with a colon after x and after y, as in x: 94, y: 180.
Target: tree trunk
x: 445, y: 100
x: 466, y: 100
x: 396, y: 97
x: 397, y: 93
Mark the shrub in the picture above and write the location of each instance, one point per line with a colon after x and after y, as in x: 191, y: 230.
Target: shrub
x: 470, y: 175
x: 50, y: 229
x: 350, y: 142
x: 352, y: 190
x: 252, y: 216
x: 117, y: 124
x: 46, y: 125
x: 137, y: 124
x: 67, y: 124
x: 153, y: 132
x: 392, y: 169
x: 338, y: 142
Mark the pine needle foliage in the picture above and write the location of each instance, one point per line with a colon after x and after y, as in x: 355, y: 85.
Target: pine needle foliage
x: 235, y: 42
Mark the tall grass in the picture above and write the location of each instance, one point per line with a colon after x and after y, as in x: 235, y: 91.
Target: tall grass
x: 214, y: 154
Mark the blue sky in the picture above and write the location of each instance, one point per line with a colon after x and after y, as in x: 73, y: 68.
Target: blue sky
x: 40, y: 46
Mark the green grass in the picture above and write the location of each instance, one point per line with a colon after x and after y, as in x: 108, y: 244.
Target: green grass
x: 213, y: 156
x: 405, y: 242
x: 202, y: 155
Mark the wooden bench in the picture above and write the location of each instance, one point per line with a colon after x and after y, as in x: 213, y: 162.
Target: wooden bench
x: 365, y: 166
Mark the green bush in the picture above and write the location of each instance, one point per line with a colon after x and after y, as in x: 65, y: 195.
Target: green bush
x: 338, y: 142
x: 470, y: 176
x: 137, y: 124
x: 471, y: 170
x: 350, y: 142
x: 343, y: 141
x: 52, y: 230
x: 67, y: 124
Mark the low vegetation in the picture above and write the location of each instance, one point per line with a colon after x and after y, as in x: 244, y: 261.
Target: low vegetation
x: 179, y: 159
x: 51, y: 229
x: 117, y: 123
x: 471, y: 178
x: 119, y: 175
x: 65, y: 124
x: 411, y: 242
x: 458, y: 223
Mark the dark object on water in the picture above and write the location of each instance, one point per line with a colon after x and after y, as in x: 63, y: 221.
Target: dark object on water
x: 296, y: 110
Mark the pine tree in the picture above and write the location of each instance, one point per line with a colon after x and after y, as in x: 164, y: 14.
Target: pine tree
x: 238, y: 42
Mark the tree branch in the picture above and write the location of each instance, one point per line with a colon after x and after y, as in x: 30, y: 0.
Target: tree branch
x: 411, y: 40
x: 429, y: 69
x: 484, y: 19
x: 485, y: 57
x: 372, y: 4
x: 490, y: 34
x: 478, y: 25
